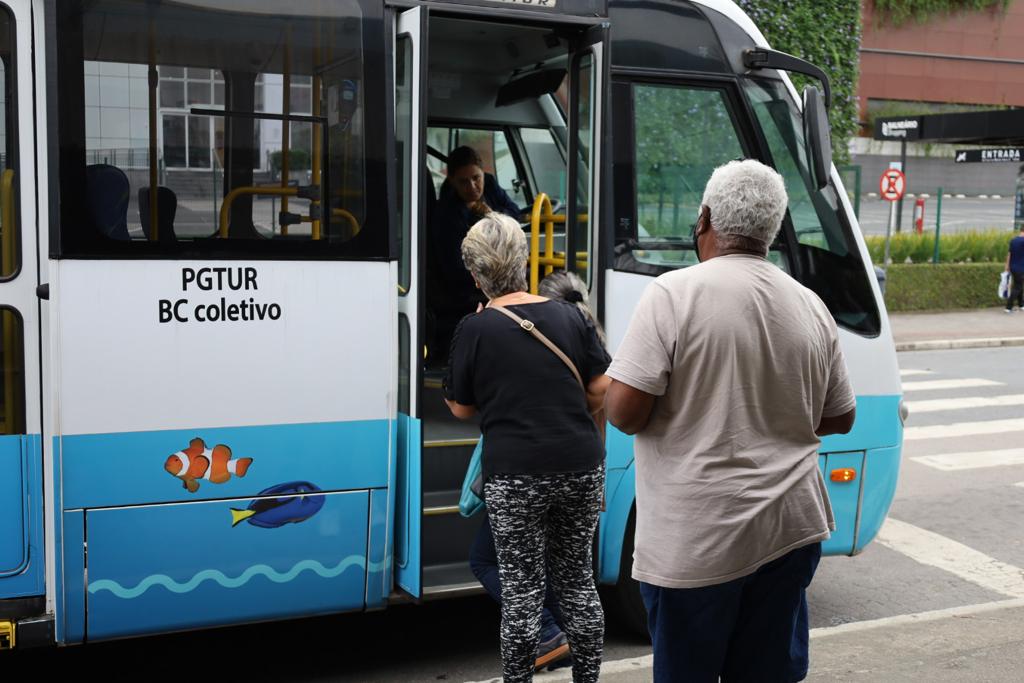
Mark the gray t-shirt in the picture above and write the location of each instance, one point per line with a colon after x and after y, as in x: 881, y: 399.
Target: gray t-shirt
x: 745, y: 362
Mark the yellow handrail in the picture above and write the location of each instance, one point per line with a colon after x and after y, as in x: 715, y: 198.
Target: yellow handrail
x: 225, y: 207
x: 551, y: 259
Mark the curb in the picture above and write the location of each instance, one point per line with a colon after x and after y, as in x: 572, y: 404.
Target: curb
x: 942, y: 344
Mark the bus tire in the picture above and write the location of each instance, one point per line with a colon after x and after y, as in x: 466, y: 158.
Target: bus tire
x: 627, y: 605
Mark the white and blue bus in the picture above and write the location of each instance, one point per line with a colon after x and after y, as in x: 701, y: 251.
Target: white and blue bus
x: 220, y: 397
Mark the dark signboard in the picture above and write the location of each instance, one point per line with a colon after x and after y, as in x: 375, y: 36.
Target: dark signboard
x: 987, y: 156
x: 898, y: 128
x: 581, y: 8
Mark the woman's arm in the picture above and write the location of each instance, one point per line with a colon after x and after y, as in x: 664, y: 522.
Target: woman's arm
x: 463, y: 412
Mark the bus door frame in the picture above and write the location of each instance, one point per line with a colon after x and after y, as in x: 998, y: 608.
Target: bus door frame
x: 18, y: 293
x: 408, y: 566
x: 595, y: 42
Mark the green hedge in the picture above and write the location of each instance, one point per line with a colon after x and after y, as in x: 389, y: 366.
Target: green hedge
x: 945, y: 286
x: 983, y: 246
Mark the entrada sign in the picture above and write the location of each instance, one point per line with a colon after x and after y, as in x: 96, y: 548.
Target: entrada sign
x: 1004, y: 154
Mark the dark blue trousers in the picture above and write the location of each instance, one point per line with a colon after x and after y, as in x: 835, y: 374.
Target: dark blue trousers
x: 483, y: 560
x: 750, y: 629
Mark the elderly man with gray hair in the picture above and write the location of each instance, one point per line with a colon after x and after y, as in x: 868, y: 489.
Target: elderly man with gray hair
x: 729, y: 373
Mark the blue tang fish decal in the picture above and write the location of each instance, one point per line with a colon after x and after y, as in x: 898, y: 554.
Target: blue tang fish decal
x: 302, y: 501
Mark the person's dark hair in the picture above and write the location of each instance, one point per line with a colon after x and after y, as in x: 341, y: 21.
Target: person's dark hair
x: 569, y: 287
x: 463, y: 156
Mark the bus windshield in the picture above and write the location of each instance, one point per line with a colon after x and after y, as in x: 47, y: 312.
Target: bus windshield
x: 828, y: 260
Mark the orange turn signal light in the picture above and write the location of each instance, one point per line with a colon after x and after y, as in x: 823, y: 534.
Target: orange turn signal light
x: 843, y: 474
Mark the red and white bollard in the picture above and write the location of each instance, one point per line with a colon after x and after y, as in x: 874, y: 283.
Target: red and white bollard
x: 919, y: 215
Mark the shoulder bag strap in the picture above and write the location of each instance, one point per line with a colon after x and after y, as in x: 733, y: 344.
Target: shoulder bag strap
x: 539, y: 336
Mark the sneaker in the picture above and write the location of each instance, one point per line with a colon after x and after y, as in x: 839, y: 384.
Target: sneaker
x: 1008, y: 310
x: 550, y: 651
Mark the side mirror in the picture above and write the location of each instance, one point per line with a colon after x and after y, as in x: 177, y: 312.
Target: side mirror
x: 817, y: 138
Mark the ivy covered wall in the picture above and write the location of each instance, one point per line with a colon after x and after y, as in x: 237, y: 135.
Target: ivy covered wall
x: 827, y: 34
x: 901, y: 11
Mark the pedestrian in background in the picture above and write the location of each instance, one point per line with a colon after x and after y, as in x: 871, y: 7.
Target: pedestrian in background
x: 1015, y: 267
x: 729, y: 373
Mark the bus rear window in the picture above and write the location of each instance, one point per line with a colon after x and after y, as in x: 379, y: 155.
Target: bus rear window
x: 213, y: 126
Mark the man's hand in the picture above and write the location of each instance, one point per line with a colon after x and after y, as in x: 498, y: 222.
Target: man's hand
x: 628, y: 409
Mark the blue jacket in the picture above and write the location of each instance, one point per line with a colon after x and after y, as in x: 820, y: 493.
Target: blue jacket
x: 1017, y: 255
x: 448, y: 227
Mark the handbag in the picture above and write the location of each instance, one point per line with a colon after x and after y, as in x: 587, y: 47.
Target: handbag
x: 472, y: 499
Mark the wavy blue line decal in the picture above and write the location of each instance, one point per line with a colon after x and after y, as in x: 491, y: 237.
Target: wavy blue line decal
x: 226, y: 581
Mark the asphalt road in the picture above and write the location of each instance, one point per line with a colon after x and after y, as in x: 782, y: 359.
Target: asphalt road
x: 954, y: 543
x: 957, y: 215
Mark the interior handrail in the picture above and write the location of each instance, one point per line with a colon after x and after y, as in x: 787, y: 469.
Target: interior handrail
x: 229, y: 199
x: 541, y: 213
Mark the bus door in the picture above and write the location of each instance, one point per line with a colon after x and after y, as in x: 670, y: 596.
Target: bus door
x: 551, y: 68
x: 21, y: 483
x: 410, y: 124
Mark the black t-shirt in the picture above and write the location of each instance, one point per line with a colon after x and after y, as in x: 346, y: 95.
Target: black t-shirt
x: 534, y: 414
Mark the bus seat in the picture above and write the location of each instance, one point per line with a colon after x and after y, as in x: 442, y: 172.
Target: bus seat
x: 108, y: 192
x: 167, y: 208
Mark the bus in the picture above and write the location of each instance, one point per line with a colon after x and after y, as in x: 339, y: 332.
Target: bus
x: 220, y: 306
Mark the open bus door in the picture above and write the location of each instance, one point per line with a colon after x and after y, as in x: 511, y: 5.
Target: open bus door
x: 21, y: 500
x: 432, y: 540
x: 410, y: 123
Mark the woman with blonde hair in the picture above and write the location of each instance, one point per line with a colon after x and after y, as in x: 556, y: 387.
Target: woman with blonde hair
x: 543, y: 459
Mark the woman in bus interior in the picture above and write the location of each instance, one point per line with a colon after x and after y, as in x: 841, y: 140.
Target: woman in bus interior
x: 467, y: 195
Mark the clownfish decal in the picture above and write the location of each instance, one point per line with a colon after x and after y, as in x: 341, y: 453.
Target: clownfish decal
x: 199, y: 462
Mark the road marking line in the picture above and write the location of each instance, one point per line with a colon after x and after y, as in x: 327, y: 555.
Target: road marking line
x: 936, y: 384
x: 940, y: 404
x: 646, y: 662
x: 930, y: 548
x: 910, y: 373
x: 917, y: 618
x: 1020, y: 484
x: 963, y: 429
x: 972, y: 460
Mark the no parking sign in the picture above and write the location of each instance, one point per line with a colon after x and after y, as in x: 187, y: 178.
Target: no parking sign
x: 892, y: 185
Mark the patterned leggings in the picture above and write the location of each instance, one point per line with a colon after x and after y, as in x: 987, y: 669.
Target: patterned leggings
x: 547, y: 521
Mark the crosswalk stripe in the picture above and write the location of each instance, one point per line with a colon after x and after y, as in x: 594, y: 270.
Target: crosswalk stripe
x: 1020, y: 484
x: 936, y: 384
x: 973, y: 460
x: 963, y: 429
x: 911, y: 373
x: 932, y: 549
x: 940, y: 404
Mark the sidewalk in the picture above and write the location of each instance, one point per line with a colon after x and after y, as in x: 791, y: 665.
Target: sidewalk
x: 985, y: 327
x: 978, y: 643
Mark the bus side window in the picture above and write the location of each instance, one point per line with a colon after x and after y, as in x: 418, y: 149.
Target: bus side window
x: 681, y: 134
x: 225, y: 124
x: 547, y: 162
